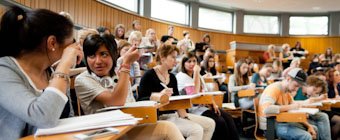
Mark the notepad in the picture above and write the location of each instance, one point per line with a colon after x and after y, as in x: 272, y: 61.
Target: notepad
x: 229, y: 105
x: 311, y: 111
x: 93, y: 121
x: 130, y: 105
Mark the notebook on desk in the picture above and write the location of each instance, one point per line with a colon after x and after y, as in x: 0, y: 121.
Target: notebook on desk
x: 93, y: 121
x: 311, y: 111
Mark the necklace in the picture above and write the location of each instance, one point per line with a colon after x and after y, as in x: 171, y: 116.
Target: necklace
x: 163, y: 76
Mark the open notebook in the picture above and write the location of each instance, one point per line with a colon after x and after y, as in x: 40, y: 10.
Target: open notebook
x: 93, y: 121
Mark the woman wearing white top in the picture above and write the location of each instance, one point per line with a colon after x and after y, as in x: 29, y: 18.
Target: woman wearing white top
x: 190, y: 74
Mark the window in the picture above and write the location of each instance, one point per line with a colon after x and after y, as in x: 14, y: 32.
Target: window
x: 308, y: 25
x: 131, y: 5
x: 170, y: 11
x: 213, y: 19
x: 261, y: 24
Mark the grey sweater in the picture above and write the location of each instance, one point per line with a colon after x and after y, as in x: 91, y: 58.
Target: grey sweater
x: 23, y: 108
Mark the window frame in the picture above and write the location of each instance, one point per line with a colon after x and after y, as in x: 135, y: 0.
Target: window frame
x: 106, y: 2
x: 264, y: 14
x: 188, y: 15
x: 220, y: 10
x: 310, y: 15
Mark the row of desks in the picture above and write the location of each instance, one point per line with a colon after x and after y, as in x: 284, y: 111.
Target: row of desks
x: 148, y: 115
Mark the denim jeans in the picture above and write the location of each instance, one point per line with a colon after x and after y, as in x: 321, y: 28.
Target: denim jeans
x: 321, y: 121
x: 292, y: 131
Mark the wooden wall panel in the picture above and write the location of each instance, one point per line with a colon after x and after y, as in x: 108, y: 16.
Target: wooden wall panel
x: 91, y: 13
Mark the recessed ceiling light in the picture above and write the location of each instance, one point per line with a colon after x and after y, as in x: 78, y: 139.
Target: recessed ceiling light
x: 316, y: 8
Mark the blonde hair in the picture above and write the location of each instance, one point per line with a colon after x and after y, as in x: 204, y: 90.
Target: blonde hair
x: 135, y: 35
x: 83, y: 33
x: 284, y: 46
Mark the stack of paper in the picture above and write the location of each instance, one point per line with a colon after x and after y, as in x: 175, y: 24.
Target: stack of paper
x: 311, y: 111
x: 93, y: 121
x: 130, y: 105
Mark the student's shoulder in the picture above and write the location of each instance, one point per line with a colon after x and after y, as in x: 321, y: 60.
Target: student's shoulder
x: 273, y: 89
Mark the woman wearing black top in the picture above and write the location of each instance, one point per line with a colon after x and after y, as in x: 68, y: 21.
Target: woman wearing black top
x: 192, y: 126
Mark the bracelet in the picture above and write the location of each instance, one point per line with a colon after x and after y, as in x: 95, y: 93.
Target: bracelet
x: 64, y: 76
x: 125, y: 70
x: 125, y: 66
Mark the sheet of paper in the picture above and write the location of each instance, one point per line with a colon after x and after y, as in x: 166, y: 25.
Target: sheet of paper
x: 211, y: 93
x: 182, y: 97
x: 311, y: 111
x: 130, y: 105
x: 99, y: 120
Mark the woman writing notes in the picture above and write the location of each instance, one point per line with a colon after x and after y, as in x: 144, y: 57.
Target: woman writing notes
x: 193, y: 127
x: 32, y: 96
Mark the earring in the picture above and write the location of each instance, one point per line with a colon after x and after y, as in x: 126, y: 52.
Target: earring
x: 53, y: 49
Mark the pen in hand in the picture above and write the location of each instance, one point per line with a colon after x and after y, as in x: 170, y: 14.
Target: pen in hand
x: 166, y: 90
x: 164, y: 85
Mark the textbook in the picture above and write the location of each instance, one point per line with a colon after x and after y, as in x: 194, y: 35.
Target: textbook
x: 93, y: 121
x: 311, y: 111
x: 130, y: 105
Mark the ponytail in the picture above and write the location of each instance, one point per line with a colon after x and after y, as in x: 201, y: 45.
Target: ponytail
x: 22, y: 31
x: 12, y: 30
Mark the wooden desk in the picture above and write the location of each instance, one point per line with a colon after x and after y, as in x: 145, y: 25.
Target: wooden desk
x: 69, y: 136
x: 336, y: 105
x: 282, y: 117
x: 177, y: 104
x: 148, y: 114
x: 246, y: 93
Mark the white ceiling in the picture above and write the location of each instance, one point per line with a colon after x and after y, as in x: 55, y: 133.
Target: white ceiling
x: 290, y: 6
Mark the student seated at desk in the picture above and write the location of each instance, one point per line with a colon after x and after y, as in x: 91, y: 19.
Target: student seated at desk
x: 276, y: 74
x: 190, y: 74
x: 276, y: 98
x: 298, y: 51
x: 286, y: 56
x: 240, y: 81
x: 269, y: 55
x: 98, y: 87
x: 32, y: 94
x: 294, y: 64
x: 316, y: 91
x: 209, y: 67
x: 333, y: 80
x: 260, y: 78
x: 193, y: 127
x: 313, y: 65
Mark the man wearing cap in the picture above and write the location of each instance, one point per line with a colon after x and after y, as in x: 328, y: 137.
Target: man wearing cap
x: 276, y: 98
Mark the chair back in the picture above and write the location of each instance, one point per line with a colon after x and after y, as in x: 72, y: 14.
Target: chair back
x: 257, y: 134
